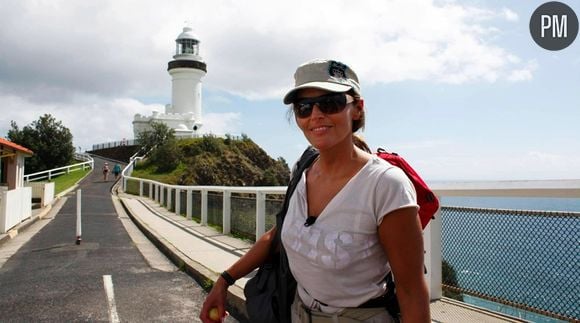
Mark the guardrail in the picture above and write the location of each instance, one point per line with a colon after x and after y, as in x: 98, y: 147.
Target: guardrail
x: 49, y: 174
x: 113, y: 144
x: 250, y: 210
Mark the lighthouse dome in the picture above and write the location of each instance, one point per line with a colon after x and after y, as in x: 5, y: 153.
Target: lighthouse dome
x: 187, y: 33
x: 187, y: 46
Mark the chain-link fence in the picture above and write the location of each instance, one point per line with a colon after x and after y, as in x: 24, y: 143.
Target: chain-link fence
x: 526, y: 259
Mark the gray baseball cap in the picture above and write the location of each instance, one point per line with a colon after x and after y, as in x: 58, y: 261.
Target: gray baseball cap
x: 326, y: 75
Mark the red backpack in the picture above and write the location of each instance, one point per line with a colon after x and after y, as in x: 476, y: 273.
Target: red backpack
x: 428, y: 203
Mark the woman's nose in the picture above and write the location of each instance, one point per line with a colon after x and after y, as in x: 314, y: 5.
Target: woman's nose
x: 316, y: 111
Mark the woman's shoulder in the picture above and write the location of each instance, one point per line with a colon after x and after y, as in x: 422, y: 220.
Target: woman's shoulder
x: 385, y: 170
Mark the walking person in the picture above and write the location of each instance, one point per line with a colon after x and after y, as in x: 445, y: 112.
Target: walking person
x: 351, y: 221
x: 105, y: 171
x: 117, y: 171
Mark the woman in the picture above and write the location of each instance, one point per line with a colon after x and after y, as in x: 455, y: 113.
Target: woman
x: 117, y: 171
x: 105, y: 171
x: 351, y: 220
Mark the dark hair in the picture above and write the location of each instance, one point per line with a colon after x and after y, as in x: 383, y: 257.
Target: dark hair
x: 360, y: 143
x: 358, y: 125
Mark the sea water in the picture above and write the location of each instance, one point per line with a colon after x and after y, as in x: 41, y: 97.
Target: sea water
x: 541, y: 252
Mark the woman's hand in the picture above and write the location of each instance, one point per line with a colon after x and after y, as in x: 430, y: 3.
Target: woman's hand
x: 215, y: 299
x: 256, y: 256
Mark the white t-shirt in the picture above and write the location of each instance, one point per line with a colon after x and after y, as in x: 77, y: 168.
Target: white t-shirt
x: 339, y: 260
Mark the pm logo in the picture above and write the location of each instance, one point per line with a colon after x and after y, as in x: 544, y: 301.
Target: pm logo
x: 554, y: 26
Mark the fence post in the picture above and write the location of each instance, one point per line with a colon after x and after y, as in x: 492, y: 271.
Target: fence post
x: 204, y: 207
x: 177, y: 201
x: 227, y: 212
x: 161, y: 195
x: 432, y: 246
x: 150, y: 190
x: 79, y: 230
x: 260, y: 214
x: 189, y: 205
x: 140, y: 188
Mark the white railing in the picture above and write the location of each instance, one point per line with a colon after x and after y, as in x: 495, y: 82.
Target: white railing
x: 15, y: 207
x: 49, y: 174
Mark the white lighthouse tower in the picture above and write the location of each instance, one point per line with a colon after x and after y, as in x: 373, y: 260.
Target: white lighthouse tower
x: 186, y: 69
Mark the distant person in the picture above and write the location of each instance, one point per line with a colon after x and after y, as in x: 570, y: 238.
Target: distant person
x: 105, y: 171
x: 117, y: 171
x: 351, y: 221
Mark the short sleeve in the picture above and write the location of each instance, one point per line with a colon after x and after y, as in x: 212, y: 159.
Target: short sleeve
x: 394, y: 191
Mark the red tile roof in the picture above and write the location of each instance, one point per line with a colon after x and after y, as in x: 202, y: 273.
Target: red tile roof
x: 7, y: 143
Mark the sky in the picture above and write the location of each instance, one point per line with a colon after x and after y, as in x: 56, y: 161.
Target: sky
x: 458, y: 88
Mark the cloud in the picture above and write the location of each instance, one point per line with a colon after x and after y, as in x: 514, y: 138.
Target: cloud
x: 523, y: 74
x: 449, y: 160
x: 510, y: 15
x: 56, y: 50
x: 221, y: 123
x: 89, y: 119
x: 94, y: 64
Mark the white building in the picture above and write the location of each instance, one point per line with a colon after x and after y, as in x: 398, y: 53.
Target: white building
x: 186, y: 70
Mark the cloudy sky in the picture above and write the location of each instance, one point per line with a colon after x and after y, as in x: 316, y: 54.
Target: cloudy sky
x: 457, y: 87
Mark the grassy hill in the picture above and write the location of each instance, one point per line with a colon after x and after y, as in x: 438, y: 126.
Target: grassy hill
x: 210, y: 160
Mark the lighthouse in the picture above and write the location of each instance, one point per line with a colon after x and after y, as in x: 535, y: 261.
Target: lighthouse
x: 186, y: 69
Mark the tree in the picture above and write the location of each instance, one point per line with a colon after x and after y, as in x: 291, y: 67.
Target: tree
x: 161, y: 143
x: 50, y: 141
x: 157, y: 136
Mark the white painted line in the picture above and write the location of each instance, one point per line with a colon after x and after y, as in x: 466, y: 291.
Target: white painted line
x: 108, y: 282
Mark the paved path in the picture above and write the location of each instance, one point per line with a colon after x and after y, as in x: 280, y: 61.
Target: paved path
x: 104, y: 279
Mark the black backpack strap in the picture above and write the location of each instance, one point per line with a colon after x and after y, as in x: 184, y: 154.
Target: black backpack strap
x: 307, y: 158
x: 286, y: 282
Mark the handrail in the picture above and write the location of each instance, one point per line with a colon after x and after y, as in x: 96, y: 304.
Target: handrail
x: 569, y: 188
x: 49, y: 174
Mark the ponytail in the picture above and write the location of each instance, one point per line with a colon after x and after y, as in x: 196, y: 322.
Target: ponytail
x: 360, y: 143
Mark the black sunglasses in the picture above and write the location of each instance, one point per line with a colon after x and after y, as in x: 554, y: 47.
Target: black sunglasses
x: 327, y: 104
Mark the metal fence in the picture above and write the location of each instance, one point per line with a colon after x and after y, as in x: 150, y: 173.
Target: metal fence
x: 113, y: 144
x: 526, y: 259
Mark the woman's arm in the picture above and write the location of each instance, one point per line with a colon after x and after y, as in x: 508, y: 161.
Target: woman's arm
x: 252, y: 259
x: 402, y: 239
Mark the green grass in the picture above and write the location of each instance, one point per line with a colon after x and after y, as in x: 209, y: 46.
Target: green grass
x: 65, y: 181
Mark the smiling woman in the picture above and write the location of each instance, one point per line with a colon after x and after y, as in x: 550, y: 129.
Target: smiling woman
x: 348, y: 212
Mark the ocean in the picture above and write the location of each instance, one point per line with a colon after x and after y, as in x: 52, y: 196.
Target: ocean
x: 525, y: 257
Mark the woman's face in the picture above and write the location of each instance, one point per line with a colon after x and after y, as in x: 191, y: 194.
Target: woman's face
x: 325, y: 131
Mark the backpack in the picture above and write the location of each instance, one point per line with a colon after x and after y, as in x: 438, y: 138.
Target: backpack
x: 428, y: 202
x: 270, y: 293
